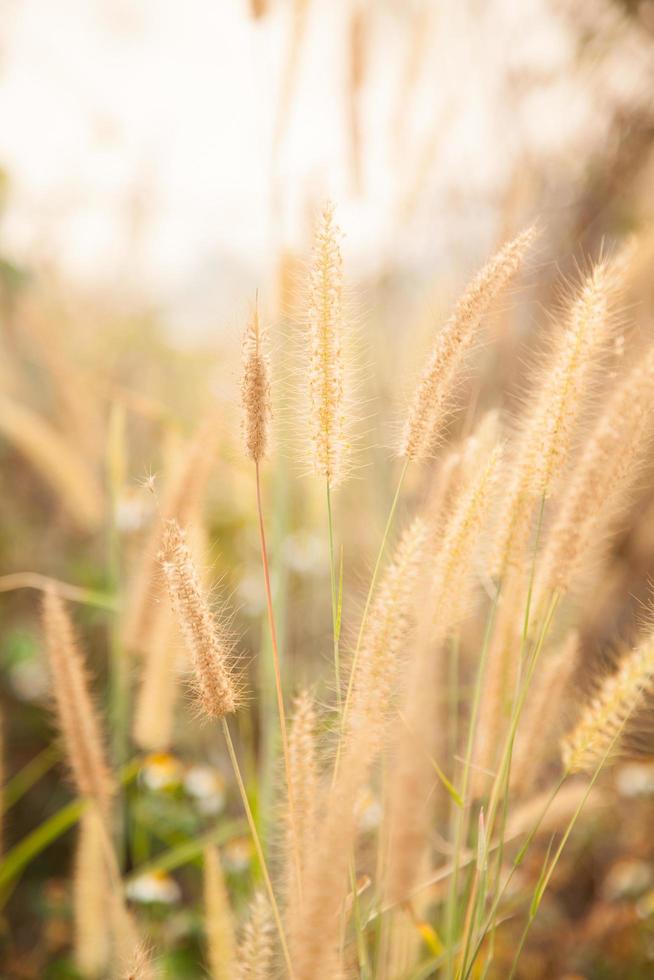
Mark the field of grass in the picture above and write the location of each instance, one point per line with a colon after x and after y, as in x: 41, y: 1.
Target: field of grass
x: 326, y: 643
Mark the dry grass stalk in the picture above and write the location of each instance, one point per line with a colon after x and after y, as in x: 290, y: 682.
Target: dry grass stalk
x: 316, y: 929
x: 500, y: 679
x: 433, y: 401
x: 91, y: 895
x: 329, y: 416
x: 76, y: 713
x: 55, y: 461
x: 207, y: 636
x: 607, y: 469
x: 219, y: 924
x: 449, y: 595
x: 80, y: 727
x: 255, y: 391
x: 541, y: 720
x: 546, y: 436
x: 601, y: 724
x: 304, y: 770
x: 254, y: 958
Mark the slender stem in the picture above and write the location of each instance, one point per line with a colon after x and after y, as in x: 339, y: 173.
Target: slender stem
x: 278, y: 680
x: 13, y: 862
x: 332, y: 572
x: 547, y: 872
x: 517, y: 861
x: 503, y: 774
x: 73, y: 593
x: 26, y: 777
x: 119, y: 681
x: 257, y: 846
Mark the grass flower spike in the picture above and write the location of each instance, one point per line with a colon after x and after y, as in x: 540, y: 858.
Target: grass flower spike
x: 436, y: 389
x: 76, y: 713
x: 206, y: 635
x: 598, y: 731
x: 329, y: 410
x: 255, y: 391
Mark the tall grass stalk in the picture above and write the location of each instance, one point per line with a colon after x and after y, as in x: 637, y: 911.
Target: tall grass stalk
x: 257, y: 846
x: 278, y: 675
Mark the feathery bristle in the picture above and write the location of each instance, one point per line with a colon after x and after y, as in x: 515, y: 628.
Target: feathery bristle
x: 433, y: 401
x: 602, y: 722
x: 546, y: 436
x: 542, y: 715
x: 254, y: 958
x: 219, y: 924
x: 76, y: 712
x: 607, y: 469
x: 139, y: 965
x: 206, y: 636
x: 255, y: 391
x: 328, y: 408
x: 90, y: 896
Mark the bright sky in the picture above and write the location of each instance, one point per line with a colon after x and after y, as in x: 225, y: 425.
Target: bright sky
x: 138, y: 136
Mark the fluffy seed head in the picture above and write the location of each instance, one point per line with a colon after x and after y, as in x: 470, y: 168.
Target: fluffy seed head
x: 384, y: 641
x: 255, y: 952
x: 90, y: 897
x: 76, y: 713
x: 604, y: 718
x: 542, y: 446
x: 218, y: 918
x: 433, y: 399
x: 328, y: 409
x: 207, y: 637
x: 601, y: 481
x: 255, y: 391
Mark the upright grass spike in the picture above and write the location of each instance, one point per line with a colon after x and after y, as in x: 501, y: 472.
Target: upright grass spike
x: 207, y: 635
x: 254, y: 958
x: 219, y: 923
x: 598, y: 489
x: 546, y: 433
x: 435, y: 393
x: 91, y: 894
x: 76, y: 713
x: 603, y: 720
x: 255, y: 391
x: 330, y: 417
